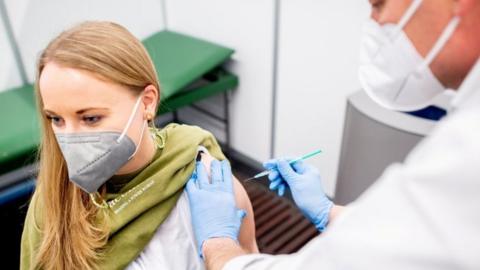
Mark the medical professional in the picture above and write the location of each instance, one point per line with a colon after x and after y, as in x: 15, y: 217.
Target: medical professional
x: 421, y: 214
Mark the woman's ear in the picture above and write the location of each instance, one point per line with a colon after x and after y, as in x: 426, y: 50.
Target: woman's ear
x: 150, y: 100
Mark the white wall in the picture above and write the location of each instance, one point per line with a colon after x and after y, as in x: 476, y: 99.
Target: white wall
x: 246, y: 26
x: 35, y: 23
x: 318, y: 48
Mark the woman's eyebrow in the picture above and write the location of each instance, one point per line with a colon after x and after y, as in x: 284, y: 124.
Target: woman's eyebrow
x: 91, y: 109
x: 79, y: 111
x: 49, y: 112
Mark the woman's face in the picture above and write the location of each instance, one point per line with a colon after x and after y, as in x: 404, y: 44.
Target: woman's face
x: 76, y: 101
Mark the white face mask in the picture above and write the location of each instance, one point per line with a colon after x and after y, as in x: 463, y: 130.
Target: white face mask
x: 392, y: 72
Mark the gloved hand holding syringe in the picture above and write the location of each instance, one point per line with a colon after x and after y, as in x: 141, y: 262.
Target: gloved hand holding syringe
x: 305, y: 185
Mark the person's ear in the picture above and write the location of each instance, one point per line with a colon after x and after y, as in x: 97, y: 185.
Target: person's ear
x: 150, y: 99
x: 462, y: 7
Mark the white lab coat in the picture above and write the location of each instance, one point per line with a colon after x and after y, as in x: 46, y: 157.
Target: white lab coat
x: 422, y: 214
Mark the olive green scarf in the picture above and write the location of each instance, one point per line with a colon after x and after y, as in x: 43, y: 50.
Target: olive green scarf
x: 138, y: 208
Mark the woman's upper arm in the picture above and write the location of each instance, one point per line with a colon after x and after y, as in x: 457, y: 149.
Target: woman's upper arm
x: 247, y: 231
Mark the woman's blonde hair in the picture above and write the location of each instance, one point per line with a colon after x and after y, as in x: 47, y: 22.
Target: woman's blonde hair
x: 72, y: 237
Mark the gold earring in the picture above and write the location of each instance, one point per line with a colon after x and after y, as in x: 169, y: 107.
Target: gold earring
x: 149, y: 116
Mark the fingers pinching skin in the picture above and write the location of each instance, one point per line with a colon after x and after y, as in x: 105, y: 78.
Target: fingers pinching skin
x: 212, y: 206
x: 202, y: 176
x: 191, y: 185
x: 227, y: 175
x: 216, y: 172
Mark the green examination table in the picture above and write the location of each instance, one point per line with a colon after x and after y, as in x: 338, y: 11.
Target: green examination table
x: 189, y: 69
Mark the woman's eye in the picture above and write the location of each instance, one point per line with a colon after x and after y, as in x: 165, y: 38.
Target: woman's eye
x: 91, y: 119
x: 57, y: 121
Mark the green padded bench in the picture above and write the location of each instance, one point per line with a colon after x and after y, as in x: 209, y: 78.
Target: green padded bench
x: 19, y: 138
x: 19, y: 135
x: 189, y: 70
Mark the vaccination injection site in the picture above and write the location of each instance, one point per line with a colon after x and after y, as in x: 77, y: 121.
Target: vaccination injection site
x: 240, y: 135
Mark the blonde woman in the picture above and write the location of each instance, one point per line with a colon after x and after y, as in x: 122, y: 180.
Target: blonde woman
x: 110, y: 185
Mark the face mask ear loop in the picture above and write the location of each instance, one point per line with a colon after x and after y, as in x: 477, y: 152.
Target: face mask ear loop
x: 130, y: 119
x: 441, y: 42
x: 437, y: 47
x: 140, y: 141
x: 95, y: 197
x: 406, y: 17
x: 402, y: 22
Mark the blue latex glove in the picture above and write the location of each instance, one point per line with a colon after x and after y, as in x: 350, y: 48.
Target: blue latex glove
x: 306, y: 187
x: 212, y: 204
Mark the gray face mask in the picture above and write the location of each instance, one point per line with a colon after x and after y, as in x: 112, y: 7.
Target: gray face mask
x: 93, y: 157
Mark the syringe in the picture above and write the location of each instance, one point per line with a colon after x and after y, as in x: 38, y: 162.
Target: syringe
x: 266, y: 172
